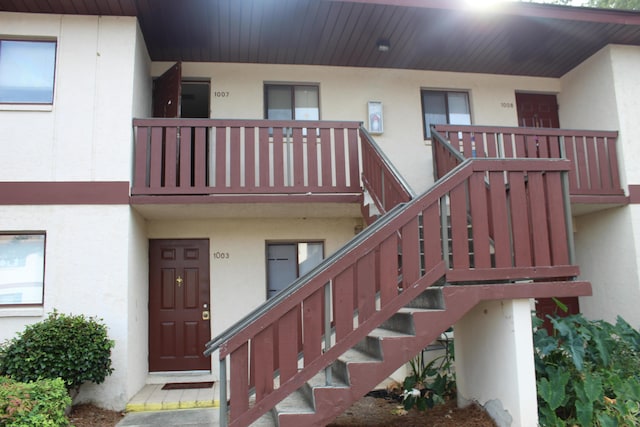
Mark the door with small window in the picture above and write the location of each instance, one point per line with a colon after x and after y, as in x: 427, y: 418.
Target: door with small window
x: 288, y: 261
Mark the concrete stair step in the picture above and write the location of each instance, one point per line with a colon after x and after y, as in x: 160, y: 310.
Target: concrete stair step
x: 267, y: 420
x: 431, y: 298
x: 297, y: 403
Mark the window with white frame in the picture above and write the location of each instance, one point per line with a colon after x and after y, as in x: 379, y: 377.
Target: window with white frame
x: 444, y: 107
x: 22, y: 268
x: 291, y: 102
x: 27, y: 69
x: 288, y: 261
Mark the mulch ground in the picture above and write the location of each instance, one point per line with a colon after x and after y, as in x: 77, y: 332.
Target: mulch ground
x: 87, y: 415
x: 368, y: 412
x: 383, y: 412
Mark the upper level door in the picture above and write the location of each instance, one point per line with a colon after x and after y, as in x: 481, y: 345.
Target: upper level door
x: 167, y: 93
x: 174, y: 96
x: 537, y: 110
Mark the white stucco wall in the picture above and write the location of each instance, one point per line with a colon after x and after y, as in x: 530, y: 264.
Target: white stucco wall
x: 345, y: 91
x: 494, y: 361
x: 138, y: 249
x: 602, y: 94
x: 238, y: 283
x: 142, y: 82
x: 588, y: 99
x: 137, y: 305
x: 86, y: 133
x: 626, y: 63
x: 607, y: 255
x: 85, y: 273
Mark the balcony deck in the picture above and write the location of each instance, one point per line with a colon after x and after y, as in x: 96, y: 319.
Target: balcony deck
x: 594, y: 177
x: 245, y: 161
x: 227, y: 162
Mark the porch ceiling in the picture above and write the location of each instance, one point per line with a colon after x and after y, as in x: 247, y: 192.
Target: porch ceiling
x: 519, y: 39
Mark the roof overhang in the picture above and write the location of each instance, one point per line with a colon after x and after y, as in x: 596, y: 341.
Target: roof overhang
x: 446, y: 35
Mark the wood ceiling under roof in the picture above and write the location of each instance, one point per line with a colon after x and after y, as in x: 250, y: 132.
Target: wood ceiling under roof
x: 520, y: 39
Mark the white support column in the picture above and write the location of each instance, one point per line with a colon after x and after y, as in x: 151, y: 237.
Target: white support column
x: 494, y: 361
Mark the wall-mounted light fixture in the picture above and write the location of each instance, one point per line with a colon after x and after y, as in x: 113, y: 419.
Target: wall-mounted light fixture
x: 383, y: 45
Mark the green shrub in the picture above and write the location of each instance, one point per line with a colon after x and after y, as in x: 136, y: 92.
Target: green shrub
x: 431, y: 384
x: 74, y: 348
x: 40, y: 403
x: 587, y: 373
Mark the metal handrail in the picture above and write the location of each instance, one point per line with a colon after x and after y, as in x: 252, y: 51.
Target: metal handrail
x: 225, y: 342
x: 447, y: 145
x: 216, y: 342
x: 392, y: 169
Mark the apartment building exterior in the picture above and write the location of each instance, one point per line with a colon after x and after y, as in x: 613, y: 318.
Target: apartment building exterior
x: 172, y: 168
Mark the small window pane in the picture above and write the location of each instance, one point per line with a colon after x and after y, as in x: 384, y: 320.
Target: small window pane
x: 459, y: 109
x: 435, y: 110
x: 309, y: 256
x: 279, y: 103
x: 292, y: 102
x: 306, y: 100
x: 281, y: 267
x: 288, y: 261
x: 21, y: 268
x: 26, y: 71
x: 441, y: 107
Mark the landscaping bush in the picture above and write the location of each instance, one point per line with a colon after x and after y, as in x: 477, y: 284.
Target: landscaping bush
x: 40, y: 403
x: 587, y: 373
x: 432, y: 383
x: 74, y: 348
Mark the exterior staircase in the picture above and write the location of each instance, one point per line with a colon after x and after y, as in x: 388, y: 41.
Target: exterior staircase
x: 369, y: 362
x: 488, y: 229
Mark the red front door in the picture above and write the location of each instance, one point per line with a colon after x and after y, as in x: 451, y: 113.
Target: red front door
x: 179, y: 305
x: 537, y: 110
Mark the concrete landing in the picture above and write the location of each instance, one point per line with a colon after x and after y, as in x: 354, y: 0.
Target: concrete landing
x: 182, y: 417
x: 152, y: 398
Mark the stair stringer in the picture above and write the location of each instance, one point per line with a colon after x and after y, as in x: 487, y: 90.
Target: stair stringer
x: 330, y: 402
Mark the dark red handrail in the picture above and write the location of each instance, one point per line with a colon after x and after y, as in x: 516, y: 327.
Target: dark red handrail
x: 214, y: 157
x: 593, y: 154
x: 382, y: 181
x: 390, y: 261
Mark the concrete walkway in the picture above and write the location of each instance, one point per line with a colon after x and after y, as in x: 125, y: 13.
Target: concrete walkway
x: 154, y: 407
x: 206, y: 417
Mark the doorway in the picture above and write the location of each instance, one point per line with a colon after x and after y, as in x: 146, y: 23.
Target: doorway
x: 175, y: 96
x: 179, y: 305
x: 537, y: 110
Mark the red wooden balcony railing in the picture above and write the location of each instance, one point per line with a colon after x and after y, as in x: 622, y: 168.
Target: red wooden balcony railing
x: 382, y: 181
x: 593, y: 154
x: 393, y: 261
x: 245, y: 157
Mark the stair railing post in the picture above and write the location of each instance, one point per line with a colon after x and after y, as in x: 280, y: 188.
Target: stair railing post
x: 566, y: 201
x: 444, y: 231
x: 223, y: 392
x: 382, y: 192
x: 327, y: 329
